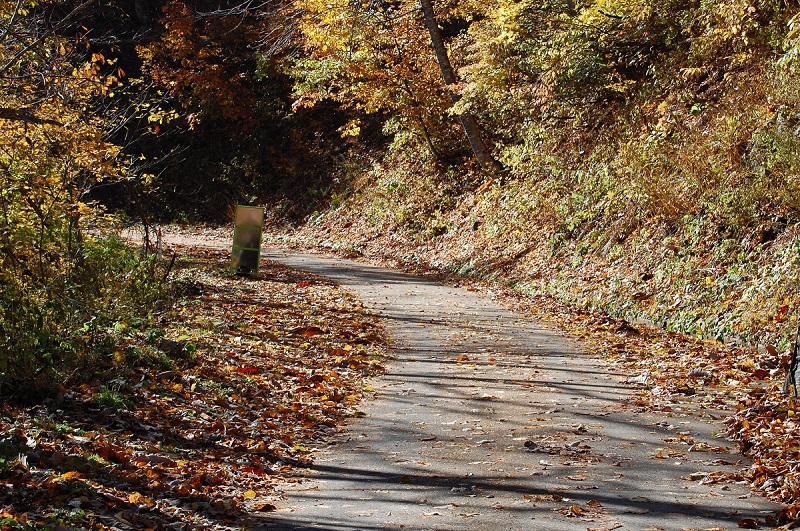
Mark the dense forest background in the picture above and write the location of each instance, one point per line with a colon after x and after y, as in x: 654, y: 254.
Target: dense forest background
x: 647, y: 151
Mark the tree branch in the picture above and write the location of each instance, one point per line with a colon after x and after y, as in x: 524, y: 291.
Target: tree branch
x: 22, y: 115
x: 61, y: 24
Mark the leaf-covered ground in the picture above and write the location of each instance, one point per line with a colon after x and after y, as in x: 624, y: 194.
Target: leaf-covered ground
x: 200, y: 414
x: 738, y: 386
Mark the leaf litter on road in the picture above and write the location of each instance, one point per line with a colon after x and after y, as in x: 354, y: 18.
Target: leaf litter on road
x: 670, y: 373
x: 204, y: 412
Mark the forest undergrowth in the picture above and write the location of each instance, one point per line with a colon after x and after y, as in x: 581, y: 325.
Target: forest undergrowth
x: 201, y: 411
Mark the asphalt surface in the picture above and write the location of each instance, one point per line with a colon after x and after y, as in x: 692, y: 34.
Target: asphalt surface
x: 487, y: 420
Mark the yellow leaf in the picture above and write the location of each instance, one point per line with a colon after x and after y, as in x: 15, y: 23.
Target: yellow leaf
x: 352, y: 128
x: 138, y: 498
x: 83, y: 209
x: 250, y: 494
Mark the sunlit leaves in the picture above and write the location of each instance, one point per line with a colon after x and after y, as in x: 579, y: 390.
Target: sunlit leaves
x: 792, y: 43
x: 279, y: 362
x: 375, y: 58
x: 53, y: 151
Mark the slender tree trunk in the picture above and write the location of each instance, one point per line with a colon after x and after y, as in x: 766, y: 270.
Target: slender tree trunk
x: 468, y: 121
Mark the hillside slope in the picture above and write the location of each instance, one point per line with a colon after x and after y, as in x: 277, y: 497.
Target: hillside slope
x: 650, y: 153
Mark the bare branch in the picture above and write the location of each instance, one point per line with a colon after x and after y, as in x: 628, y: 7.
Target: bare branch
x: 22, y: 115
x: 11, y: 21
x: 60, y: 25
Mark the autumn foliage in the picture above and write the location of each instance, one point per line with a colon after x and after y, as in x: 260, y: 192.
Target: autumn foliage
x: 64, y: 281
x: 198, y: 414
x: 651, y: 150
x: 650, y: 153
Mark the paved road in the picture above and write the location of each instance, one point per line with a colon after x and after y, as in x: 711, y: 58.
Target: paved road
x: 487, y: 421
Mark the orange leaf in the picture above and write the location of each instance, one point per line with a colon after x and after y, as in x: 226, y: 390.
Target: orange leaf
x: 311, y: 331
x: 137, y: 498
x: 771, y: 349
x: 264, y: 507
x: 574, y: 511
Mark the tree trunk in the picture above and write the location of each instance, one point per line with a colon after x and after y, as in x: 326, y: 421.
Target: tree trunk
x: 468, y: 121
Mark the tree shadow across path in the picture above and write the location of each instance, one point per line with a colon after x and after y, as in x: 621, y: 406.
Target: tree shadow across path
x: 488, y: 420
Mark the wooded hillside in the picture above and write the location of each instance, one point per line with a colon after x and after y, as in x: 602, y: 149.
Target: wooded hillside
x: 650, y: 150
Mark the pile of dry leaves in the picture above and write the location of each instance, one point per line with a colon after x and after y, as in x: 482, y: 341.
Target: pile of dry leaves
x: 202, y: 409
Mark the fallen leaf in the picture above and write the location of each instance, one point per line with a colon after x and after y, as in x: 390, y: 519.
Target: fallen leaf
x: 308, y: 331
x: 572, y: 511
x: 138, y: 498
x: 749, y: 523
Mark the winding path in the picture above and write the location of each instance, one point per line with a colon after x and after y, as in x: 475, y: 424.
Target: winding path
x: 486, y: 421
